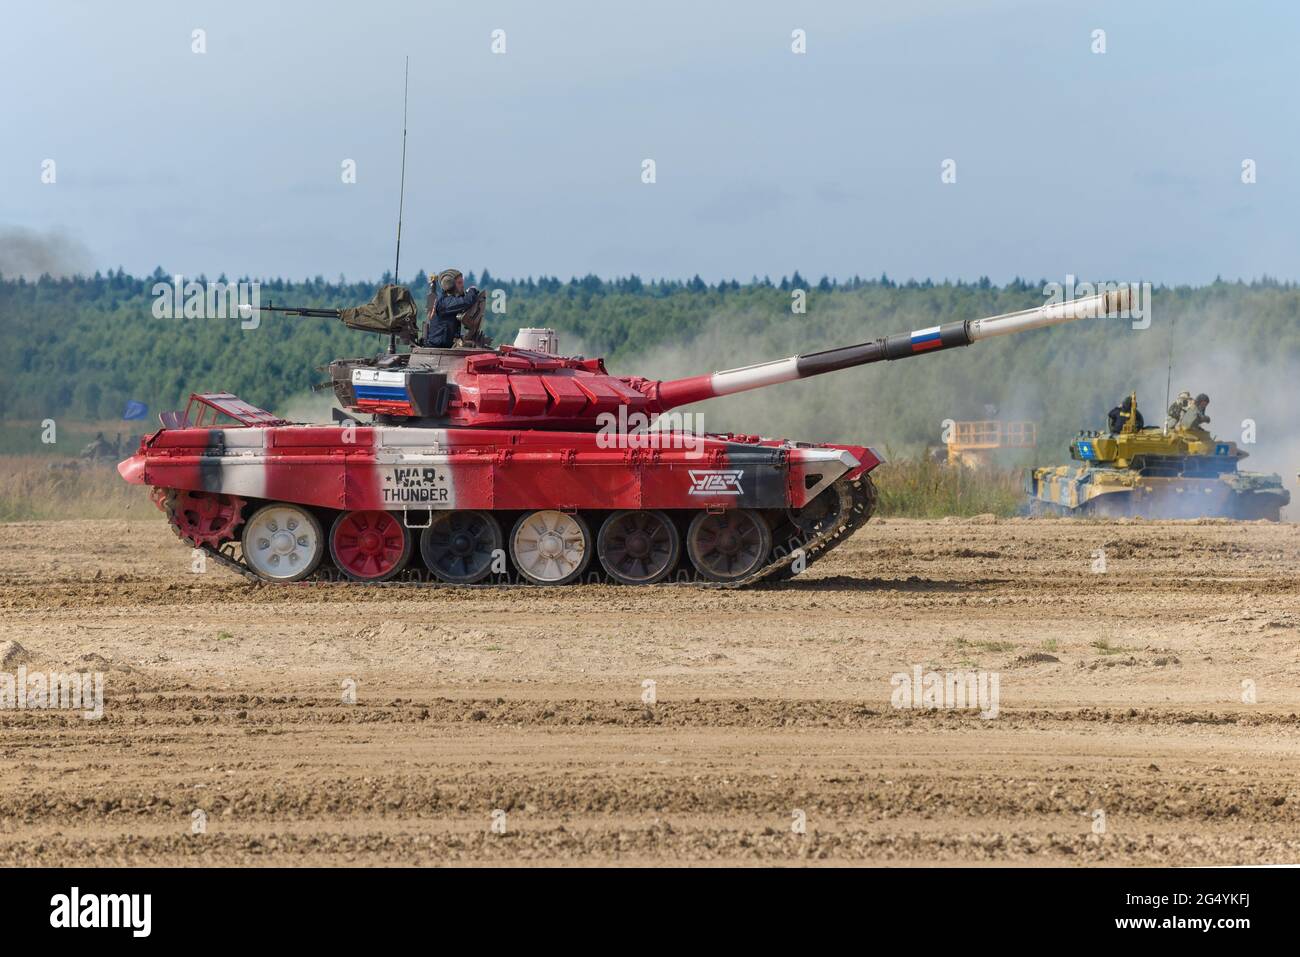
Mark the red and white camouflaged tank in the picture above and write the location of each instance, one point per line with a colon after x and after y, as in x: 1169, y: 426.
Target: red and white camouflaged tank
x: 517, y: 464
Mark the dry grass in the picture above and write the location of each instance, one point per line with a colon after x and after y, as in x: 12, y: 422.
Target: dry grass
x: 924, y: 489
x: 32, y: 487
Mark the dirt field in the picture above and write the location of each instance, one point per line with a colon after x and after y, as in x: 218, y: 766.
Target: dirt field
x: 1120, y: 693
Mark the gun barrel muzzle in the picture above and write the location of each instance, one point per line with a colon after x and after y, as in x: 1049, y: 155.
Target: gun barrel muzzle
x: 1053, y: 314
x: 950, y: 335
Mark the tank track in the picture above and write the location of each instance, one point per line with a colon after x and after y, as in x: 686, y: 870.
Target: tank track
x: 857, y: 504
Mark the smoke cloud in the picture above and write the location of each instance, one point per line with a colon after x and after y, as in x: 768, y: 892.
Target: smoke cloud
x: 31, y: 254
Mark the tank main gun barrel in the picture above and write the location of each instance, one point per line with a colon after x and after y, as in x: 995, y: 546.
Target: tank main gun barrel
x: 676, y: 392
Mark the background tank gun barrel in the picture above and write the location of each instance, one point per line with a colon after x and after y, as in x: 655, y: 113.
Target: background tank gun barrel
x: 676, y: 392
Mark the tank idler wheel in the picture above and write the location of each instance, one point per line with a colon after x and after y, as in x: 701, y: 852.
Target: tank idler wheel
x: 728, y: 546
x: 818, y: 515
x: 370, y: 545
x: 550, y: 547
x: 283, y: 543
x: 638, y: 547
x: 459, y: 546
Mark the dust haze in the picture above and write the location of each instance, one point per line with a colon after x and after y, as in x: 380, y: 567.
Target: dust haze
x: 1242, y: 393
x: 314, y: 408
x: 899, y: 408
x: 30, y: 254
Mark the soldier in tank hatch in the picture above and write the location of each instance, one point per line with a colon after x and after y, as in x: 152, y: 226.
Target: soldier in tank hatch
x: 1194, y: 415
x: 1176, y: 410
x: 452, y: 306
x: 1121, y: 413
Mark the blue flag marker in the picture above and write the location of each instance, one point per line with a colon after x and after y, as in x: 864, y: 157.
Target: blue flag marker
x: 135, y: 410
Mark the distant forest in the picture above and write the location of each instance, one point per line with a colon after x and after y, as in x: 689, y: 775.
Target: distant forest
x: 81, y: 348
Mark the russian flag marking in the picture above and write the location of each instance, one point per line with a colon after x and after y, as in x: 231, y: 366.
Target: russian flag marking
x: 924, y: 339
x: 380, y: 390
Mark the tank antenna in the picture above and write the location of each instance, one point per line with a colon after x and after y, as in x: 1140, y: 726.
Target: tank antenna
x: 401, y: 194
x: 1169, y: 376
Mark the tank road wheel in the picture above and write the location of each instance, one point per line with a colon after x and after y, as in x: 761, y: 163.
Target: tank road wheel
x: 638, y: 547
x: 458, y: 546
x: 370, y: 545
x: 283, y: 543
x: 550, y: 547
x: 727, y: 546
x: 818, y: 515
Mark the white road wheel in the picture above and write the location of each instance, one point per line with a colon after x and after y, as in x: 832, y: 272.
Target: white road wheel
x: 550, y: 547
x: 283, y: 543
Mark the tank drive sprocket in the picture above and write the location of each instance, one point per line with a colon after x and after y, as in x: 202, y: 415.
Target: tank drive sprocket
x: 203, y: 518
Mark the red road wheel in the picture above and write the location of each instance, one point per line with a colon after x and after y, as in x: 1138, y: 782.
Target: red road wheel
x: 370, y: 546
x: 728, y: 546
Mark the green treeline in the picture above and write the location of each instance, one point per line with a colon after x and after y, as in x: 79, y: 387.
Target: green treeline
x: 80, y: 348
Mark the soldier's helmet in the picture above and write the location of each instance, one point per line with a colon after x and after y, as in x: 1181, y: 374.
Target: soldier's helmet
x: 1202, y: 399
x: 447, y: 279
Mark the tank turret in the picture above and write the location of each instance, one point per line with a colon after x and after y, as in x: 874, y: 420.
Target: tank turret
x: 522, y: 464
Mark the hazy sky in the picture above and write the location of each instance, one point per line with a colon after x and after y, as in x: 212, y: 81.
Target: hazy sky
x: 1115, y: 166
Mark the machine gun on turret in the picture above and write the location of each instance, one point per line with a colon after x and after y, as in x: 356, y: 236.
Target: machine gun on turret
x: 392, y: 312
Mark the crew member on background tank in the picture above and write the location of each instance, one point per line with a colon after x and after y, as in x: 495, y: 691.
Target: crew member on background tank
x: 1120, y: 414
x: 1175, y: 414
x: 452, y: 306
x: 1194, y: 416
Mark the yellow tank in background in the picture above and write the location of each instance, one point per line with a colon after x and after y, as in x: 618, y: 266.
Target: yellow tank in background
x: 1155, y: 473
